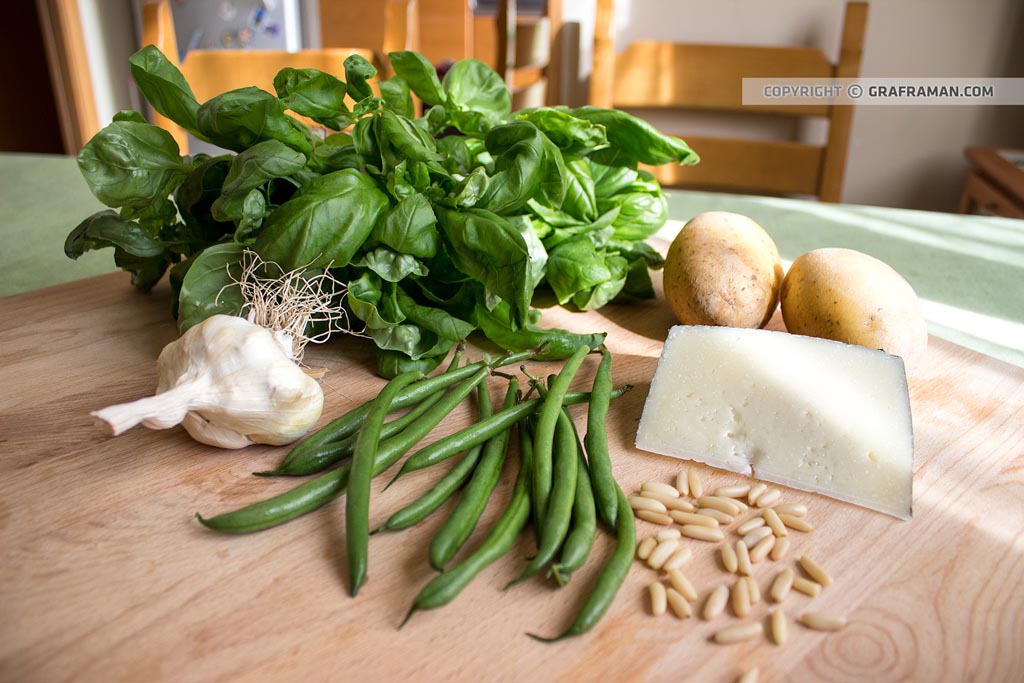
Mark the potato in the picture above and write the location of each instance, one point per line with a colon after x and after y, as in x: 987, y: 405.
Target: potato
x: 848, y: 296
x: 723, y: 269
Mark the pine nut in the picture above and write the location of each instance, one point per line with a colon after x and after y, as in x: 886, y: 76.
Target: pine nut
x: 737, y: 491
x: 754, y: 590
x: 693, y: 518
x: 741, y: 598
x: 737, y: 633
x: 658, y: 598
x: 795, y: 523
x: 749, y: 676
x: 658, y: 488
x: 682, y: 584
x: 754, y: 537
x: 740, y: 504
x: 676, y: 503
x: 716, y: 602
x: 795, y: 509
x: 781, y: 585
x: 771, y: 518
x: 769, y: 498
x: 815, y: 571
x: 820, y: 621
x: 666, y: 534
x: 654, y: 517
x: 694, y: 483
x: 755, y: 491
x: 638, y: 502
x: 678, y: 559
x: 729, y: 560
x: 683, y: 483
x: 726, y: 505
x: 780, y: 549
x: 778, y: 624
x: 760, y: 551
x: 678, y: 604
x: 749, y: 525
x: 646, y: 547
x: 806, y: 587
x: 742, y: 558
x: 702, y: 533
x: 717, y: 515
x: 662, y: 553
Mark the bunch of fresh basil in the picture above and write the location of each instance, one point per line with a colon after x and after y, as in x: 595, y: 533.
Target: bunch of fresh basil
x: 440, y: 225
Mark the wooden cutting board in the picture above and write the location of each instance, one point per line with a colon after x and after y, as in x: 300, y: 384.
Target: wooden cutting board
x: 106, y: 576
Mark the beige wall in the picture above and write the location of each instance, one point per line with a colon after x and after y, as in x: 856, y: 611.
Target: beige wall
x: 899, y: 156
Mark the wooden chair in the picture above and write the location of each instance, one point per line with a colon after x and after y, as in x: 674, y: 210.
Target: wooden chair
x: 693, y: 77
x: 211, y: 72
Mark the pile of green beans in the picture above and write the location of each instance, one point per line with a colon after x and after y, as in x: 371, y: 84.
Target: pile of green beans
x: 564, y: 485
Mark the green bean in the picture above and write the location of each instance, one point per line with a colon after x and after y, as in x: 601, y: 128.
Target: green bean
x: 357, y: 503
x: 444, y: 587
x: 611, y: 578
x: 584, y: 526
x: 349, y: 423
x: 460, y: 522
x: 596, y: 441
x: 544, y: 430
x: 325, y: 488
x: 555, y: 523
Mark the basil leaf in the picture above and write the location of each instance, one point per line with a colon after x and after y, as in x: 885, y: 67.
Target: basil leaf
x: 409, y: 228
x: 436, y: 320
x: 357, y: 72
x: 572, y: 135
x: 393, y: 363
x: 519, y: 151
x: 238, y: 119
x: 390, y: 265
x: 336, y: 152
x: 634, y: 140
x: 409, y: 140
x: 208, y: 288
x: 556, y: 344
x: 420, y: 74
x: 165, y: 88
x: 577, y: 271
x: 580, y: 199
x: 195, y: 198
x: 146, y: 270
x: 395, y: 93
x: 252, y: 168
x: 478, y: 99
x: 641, y: 214
x: 609, y: 180
x: 106, y: 229
x: 254, y: 210
x: 325, y: 223
x: 314, y: 94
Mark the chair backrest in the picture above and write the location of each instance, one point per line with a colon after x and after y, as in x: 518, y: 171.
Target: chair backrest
x: 211, y: 72
x: 527, y: 52
x: 659, y: 75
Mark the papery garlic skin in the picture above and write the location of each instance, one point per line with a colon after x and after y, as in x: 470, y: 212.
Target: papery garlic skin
x: 229, y: 383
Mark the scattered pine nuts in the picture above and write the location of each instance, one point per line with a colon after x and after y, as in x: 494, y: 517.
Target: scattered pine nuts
x: 669, y: 502
x: 682, y: 584
x: 654, y: 517
x: 749, y: 525
x: 658, y: 598
x: 820, y: 621
x: 769, y: 498
x: 755, y: 491
x: 778, y: 626
x: 716, y: 602
x: 760, y: 551
x: 806, y: 587
x: 781, y: 585
x: 737, y: 633
x: 729, y: 560
x: 771, y: 518
x: 780, y: 549
x: 638, y: 502
x: 661, y: 553
x: 795, y: 509
x: 741, y: 598
x: 678, y: 604
x: 754, y: 537
x: 737, y: 491
x: 815, y: 571
x: 754, y: 590
x: 795, y: 523
x: 693, y: 518
x: 718, y: 515
x: 749, y: 676
x: 682, y: 483
x: 702, y: 533
x: 694, y: 483
x: 678, y: 559
x: 666, y: 534
x: 658, y: 488
x: 726, y: 505
x: 646, y: 547
x: 742, y: 558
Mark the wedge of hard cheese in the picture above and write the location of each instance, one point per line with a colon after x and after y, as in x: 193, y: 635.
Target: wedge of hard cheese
x: 809, y: 413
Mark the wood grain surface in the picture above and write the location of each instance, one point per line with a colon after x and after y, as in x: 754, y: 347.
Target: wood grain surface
x: 106, y: 576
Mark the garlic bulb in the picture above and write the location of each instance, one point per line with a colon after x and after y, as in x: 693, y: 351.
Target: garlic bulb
x: 229, y: 383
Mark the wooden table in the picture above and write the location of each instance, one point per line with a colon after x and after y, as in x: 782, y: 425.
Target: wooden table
x: 106, y: 576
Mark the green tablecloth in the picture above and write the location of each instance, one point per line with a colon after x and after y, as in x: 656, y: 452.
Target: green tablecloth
x: 969, y: 270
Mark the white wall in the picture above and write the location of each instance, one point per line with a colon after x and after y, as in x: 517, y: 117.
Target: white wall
x: 899, y: 156
x: 109, y: 41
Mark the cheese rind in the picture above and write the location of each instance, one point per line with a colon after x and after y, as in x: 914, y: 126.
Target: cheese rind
x: 809, y: 413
